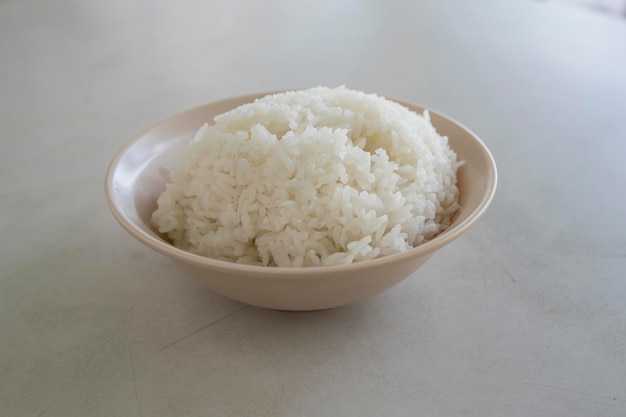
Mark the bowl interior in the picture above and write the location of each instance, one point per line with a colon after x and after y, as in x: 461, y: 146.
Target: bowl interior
x: 139, y: 172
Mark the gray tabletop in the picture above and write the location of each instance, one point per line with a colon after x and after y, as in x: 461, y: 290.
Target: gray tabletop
x: 523, y: 316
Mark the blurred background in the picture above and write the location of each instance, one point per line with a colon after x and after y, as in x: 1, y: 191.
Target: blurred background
x: 617, y: 7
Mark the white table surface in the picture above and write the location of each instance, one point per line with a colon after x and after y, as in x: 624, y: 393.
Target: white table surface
x: 523, y: 316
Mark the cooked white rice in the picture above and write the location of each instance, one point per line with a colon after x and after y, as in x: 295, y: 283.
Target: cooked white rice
x: 313, y: 177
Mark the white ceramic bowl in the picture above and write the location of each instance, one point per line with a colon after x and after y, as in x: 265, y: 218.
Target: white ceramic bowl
x: 139, y: 171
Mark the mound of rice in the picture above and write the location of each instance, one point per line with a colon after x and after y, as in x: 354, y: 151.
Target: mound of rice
x: 313, y: 177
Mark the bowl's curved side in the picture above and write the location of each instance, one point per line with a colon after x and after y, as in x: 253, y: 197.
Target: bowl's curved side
x: 329, y: 290
x: 477, y: 178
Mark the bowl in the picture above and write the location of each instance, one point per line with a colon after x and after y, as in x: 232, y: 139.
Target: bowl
x: 139, y: 171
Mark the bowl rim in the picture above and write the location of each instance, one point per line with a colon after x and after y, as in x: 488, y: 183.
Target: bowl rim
x: 309, y: 272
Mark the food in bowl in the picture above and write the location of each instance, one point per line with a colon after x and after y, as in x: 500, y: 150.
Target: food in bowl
x: 310, y: 178
x: 137, y: 175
